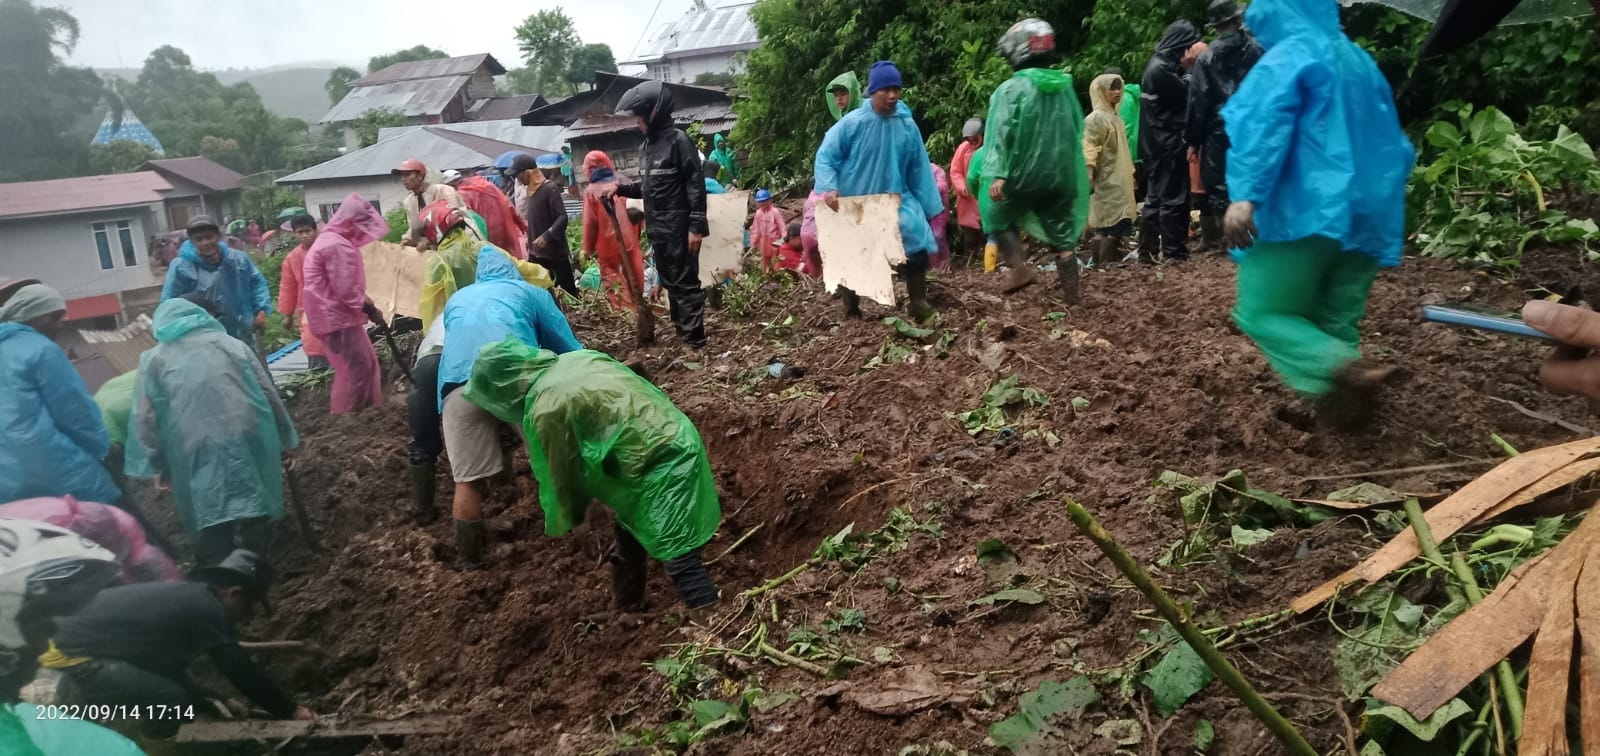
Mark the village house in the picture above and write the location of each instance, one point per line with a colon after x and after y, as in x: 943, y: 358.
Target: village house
x: 703, y: 41
x: 430, y: 93
x: 200, y: 186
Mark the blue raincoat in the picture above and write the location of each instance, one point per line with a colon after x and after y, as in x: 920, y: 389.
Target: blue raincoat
x: 866, y: 153
x: 51, y: 435
x: 498, y: 304
x: 1316, y: 140
x: 207, y: 416
x: 234, y: 285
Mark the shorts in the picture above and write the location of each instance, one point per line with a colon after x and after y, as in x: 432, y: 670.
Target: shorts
x: 1122, y: 229
x: 471, y: 440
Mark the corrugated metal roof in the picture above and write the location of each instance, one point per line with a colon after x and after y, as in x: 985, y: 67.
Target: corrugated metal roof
x: 101, y: 355
x: 415, y: 98
x: 206, y: 172
x: 716, y: 30
x: 27, y: 198
x: 510, y: 130
x: 501, y: 108
x: 462, y: 65
x: 601, y: 123
x: 437, y: 147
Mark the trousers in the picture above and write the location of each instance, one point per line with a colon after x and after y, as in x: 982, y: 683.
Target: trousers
x: 111, y: 682
x: 214, y: 544
x: 689, y: 574
x: 1302, y: 303
x: 679, y: 271
x: 422, y: 412
x: 1214, y: 172
x: 1166, y: 202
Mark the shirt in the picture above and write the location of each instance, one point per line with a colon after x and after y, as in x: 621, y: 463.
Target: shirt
x: 289, y: 288
x: 430, y: 194
x: 547, y: 219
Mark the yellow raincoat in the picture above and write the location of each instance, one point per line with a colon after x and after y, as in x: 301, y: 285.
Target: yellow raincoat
x: 454, y: 265
x: 1105, y: 151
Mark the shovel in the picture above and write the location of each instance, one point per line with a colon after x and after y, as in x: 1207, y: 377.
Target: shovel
x: 298, y: 501
x: 376, y: 317
x: 647, y: 318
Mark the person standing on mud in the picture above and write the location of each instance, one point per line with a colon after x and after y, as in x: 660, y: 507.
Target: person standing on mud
x: 224, y: 275
x: 499, y: 304
x: 1317, y: 169
x: 1106, y: 154
x: 1214, y: 78
x: 547, y: 218
x: 337, y: 308
x: 972, y: 236
x: 879, y: 150
x: 672, y: 185
x: 596, y: 430
x: 292, y: 285
x: 1163, y: 117
x: 1033, y: 158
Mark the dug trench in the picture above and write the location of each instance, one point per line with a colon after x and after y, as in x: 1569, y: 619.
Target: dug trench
x: 1147, y: 375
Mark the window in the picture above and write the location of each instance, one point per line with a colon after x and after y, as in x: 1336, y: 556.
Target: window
x: 659, y: 71
x: 327, y: 210
x: 124, y: 234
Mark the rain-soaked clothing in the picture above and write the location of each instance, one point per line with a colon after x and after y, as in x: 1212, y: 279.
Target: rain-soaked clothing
x: 600, y: 236
x: 966, y: 207
x: 1033, y: 139
x: 1215, y: 77
x: 598, y: 431
x: 940, y: 224
x: 808, y: 214
x: 1105, y: 148
x: 499, y: 304
x: 727, y: 162
x: 1163, y: 112
x: 234, y: 286
x: 51, y: 435
x: 115, y: 400
x: 507, y: 228
x: 1128, y: 111
x: 290, y: 287
x: 453, y: 265
x: 207, y: 416
x: 138, y: 561
x: 1316, y: 145
x: 852, y: 85
x: 868, y: 153
x: 335, y: 298
x: 766, y: 233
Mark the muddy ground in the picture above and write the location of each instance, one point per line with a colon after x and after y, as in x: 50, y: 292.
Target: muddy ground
x: 525, y: 650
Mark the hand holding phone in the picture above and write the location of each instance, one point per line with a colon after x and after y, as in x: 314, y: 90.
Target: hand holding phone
x: 1572, y: 368
x: 1464, y: 316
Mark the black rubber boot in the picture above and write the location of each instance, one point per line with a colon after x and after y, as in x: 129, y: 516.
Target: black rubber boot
x: 852, y: 303
x: 1069, y: 276
x: 917, y: 288
x: 1149, y: 237
x: 1022, y: 274
x: 423, y: 489
x: 1211, y: 233
x: 628, y: 572
x: 470, y: 542
x: 693, y: 580
x: 1353, y: 404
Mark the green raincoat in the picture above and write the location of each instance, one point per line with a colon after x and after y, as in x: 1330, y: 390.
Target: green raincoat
x: 852, y: 85
x: 207, y: 416
x: 115, y: 399
x: 1034, y: 140
x: 729, y: 172
x: 1128, y: 111
x: 596, y: 430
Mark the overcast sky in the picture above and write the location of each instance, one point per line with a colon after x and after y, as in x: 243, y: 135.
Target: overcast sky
x: 261, y: 33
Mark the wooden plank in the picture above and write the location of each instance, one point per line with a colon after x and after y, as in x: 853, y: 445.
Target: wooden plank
x: 1484, y: 634
x: 1523, y: 476
x: 1588, y: 610
x: 1544, y: 725
x: 326, y: 728
x: 395, y: 274
x: 722, y: 252
x: 861, y: 244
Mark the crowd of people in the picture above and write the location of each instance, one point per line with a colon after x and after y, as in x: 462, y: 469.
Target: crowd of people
x: 1281, y: 123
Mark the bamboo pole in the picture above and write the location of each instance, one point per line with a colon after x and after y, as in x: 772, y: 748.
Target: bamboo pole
x: 1264, y: 711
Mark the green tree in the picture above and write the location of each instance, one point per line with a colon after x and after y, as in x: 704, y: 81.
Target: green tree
x: 711, y: 79
x: 548, y: 39
x: 370, y: 122
x: 520, y: 81
x: 409, y: 55
x: 587, y: 60
x: 52, y: 108
x: 121, y: 156
x: 339, y: 83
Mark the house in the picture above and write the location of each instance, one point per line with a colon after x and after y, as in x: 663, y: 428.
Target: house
x: 703, y: 41
x: 200, y: 186
x: 366, y: 171
x: 430, y: 93
x: 87, y: 237
x: 592, y: 123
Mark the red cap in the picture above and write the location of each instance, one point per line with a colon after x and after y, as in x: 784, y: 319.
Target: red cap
x: 408, y: 165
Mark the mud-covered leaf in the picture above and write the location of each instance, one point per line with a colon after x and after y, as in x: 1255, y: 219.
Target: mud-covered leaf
x: 1246, y: 537
x: 882, y: 654
x: 992, y: 550
x: 906, y: 329
x: 1175, y: 679
x: 1013, y: 595
x: 1123, y: 732
x: 1205, y: 734
x: 711, y: 715
x: 1381, y: 717
x: 772, y: 701
x: 1367, y: 493
x: 1035, y: 709
x: 1079, y: 404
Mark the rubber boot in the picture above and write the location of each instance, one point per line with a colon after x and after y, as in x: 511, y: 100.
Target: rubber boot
x: 1353, y: 402
x: 628, y: 572
x: 1068, y: 275
x: 852, y: 303
x: 646, y: 335
x: 423, y: 489
x: 991, y: 256
x: 1149, y: 238
x: 1211, y: 233
x: 917, y: 291
x: 470, y: 539
x: 1022, y: 274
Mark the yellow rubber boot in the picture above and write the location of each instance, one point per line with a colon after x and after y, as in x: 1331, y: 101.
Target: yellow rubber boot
x: 991, y: 256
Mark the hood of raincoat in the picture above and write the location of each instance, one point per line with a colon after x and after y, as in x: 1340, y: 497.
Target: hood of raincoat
x: 357, y: 221
x: 503, y: 376
x: 1100, y: 90
x: 1181, y: 35
x: 597, y: 166
x: 1048, y: 80
x: 494, y: 265
x: 176, y: 318
x: 716, y: 141
x: 851, y: 84
x: 1274, y: 21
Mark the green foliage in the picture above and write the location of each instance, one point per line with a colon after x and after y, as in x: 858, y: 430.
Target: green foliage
x: 849, y: 620
x: 263, y: 203
x: 714, y: 79
x: 992, y: 414
x: 1230, y: 505
x: 51, y: 108
x: 1175, y: 679
x: 372, y: 121
x: 549, y: 41
x: 1011, y: 596
x: 396, y: 218
x: 409, y: 55
x: 338, y: 84
x: 1020, y: 733
x: 121, y: 156
x: 1483, y: 191
x: 586, y: 61
x: 854, y: 552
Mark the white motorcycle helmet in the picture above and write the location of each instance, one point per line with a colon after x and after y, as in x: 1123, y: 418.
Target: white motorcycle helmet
x: 45, y: 571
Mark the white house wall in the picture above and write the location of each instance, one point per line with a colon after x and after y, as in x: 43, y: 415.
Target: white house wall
x: 385, y: 189
x: 684, y: 70
x: 60, y: 250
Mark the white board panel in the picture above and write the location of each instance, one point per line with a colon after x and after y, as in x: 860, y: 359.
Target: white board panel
x: 723, y: 250
x: 861, y: 244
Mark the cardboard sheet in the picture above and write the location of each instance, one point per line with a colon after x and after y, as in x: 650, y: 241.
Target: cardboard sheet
x: 394, y: 278
x: 723, y: 250
x: 861, y: 244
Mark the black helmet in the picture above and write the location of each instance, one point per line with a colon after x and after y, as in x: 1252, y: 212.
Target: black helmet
x: 651, y: 101
x: 1222, y: 11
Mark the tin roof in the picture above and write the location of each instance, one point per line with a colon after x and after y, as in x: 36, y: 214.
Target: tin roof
x: 102, y: 355
x: 463, y: 65
x: 723, y: 29
x: 507, y: 130
x: 438, y: 147
x: 412, y: 97
x: 208, y: 173
x: 502, y: 108
x: 61, y: 196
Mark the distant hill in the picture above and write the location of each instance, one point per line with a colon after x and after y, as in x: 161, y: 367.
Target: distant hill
x: 291, y: 91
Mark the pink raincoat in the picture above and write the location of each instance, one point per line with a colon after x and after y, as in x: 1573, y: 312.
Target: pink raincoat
x: 966, y: 206
x: 766, y: 233
x: 335, y: 297
x: 508, y: 229
x: 812, y: 265
x: 137, y: 560
x: 940, y: 258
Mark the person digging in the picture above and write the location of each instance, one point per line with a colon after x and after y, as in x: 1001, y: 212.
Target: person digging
x: 596, y: 430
